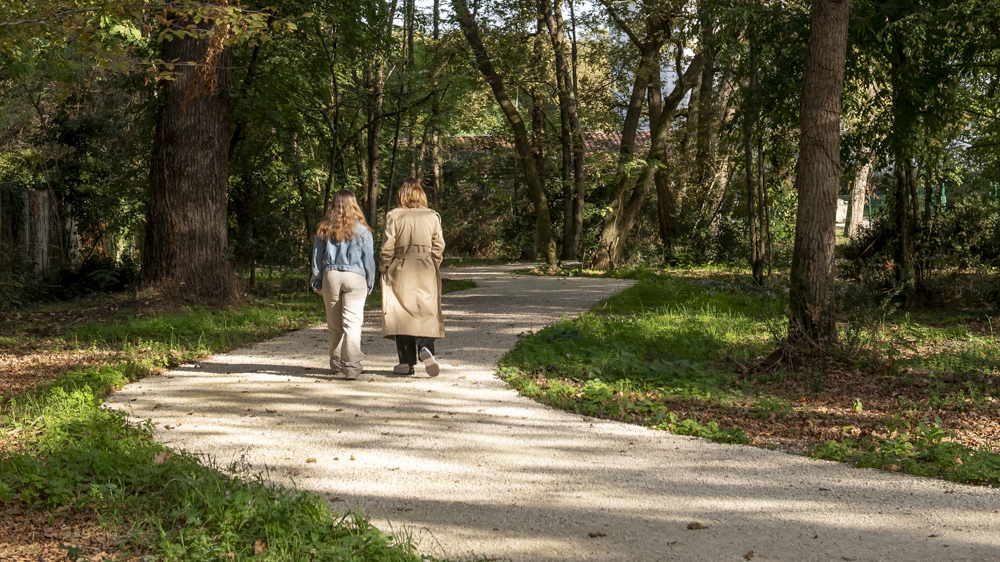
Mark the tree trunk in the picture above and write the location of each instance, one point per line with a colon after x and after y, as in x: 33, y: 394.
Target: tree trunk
x: 435, y: 181
x: 859, y: 192
x: 811, y: 297
x: 621, y: 218
x: 572, y: 132
x: 536, y: 190
x: 664, y: 194
x: 902, y: 133
x: 376, y: 83
x: 186, y: 240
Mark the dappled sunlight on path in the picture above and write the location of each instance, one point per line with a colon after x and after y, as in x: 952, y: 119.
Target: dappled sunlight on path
x: 472, y: 469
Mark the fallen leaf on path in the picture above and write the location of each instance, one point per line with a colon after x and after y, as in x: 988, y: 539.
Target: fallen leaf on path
x: 695, y: 526
x: 596, y: 535
x: 310, y: 460
x: 352, y: 458
x: 748, y: 555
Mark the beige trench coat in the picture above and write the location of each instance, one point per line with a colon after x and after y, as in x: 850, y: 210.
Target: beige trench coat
x: 412, y: 251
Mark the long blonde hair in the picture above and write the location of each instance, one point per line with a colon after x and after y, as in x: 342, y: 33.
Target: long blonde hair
x: 411, y: 195
x: 339, y: 221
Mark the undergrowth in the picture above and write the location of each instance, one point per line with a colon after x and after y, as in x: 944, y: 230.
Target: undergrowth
x: 684, y: 341
x: 65, y: 450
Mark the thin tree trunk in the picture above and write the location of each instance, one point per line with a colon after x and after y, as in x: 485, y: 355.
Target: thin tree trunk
x: 859, y: 191
x: 572, y: 132
x: 436, y: 116
x: 186, y: 231
x: 902, y: 133
x: 536, y: 190
x: 762, y: 206
x: 376, y: 82
x: 811, y: 296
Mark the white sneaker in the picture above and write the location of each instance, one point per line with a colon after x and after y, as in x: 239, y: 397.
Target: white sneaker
x: 403, y: 369
x: 430, y: 364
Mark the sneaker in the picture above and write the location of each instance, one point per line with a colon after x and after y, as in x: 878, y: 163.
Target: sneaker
x: 430, y: 364
x: 403, y: 369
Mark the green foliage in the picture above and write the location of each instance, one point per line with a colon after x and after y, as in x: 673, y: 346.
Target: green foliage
x: 74, y: 452
x: 664, y: 335
x: 927, y: 450
x: 764, y: 407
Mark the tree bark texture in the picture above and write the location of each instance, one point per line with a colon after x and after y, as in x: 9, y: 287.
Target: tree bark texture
x: 185, y: 244
x: 522, y: 142
x: 812, y: 319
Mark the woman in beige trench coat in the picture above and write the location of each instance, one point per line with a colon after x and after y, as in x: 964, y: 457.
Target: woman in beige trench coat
x: 412, y: 250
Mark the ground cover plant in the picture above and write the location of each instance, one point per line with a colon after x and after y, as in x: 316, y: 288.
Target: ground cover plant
x: 681, y: 350
x: 78, y: 480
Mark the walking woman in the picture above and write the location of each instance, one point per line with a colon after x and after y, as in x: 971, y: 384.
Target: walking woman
x: 343, y: 271
x: 412, y: 251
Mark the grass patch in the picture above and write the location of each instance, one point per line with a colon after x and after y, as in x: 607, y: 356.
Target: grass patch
x: 671, y: 353
x: 62, y: 452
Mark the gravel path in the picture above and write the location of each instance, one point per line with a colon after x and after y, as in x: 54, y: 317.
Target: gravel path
x: 472, y: 470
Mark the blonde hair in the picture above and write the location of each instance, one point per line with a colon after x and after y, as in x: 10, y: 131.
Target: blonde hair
x: 411, y: 195
x: 339, y: 222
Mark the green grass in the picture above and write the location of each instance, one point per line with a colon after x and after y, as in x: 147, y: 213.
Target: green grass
x: 679, y: 336
x: 72, y: 452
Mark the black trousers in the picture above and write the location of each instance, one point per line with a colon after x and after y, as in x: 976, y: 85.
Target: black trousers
x: 408, y: 346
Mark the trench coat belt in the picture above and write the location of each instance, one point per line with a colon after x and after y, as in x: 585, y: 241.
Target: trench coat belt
x: 410, y: 255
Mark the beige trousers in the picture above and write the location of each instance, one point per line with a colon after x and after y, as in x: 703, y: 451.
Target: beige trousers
x: 344, y: 297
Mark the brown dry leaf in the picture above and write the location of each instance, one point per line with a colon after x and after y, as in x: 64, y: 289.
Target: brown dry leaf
x: 310, y: 460
x: 259, y: 545
x: 748, y: 555
x: 161, y: 457
x: 596, y: 534
x: 695, y: 526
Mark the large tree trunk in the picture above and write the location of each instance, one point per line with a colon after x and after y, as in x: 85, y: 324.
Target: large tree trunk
x: 185, y: 245
x: 811, y: 298
x: 536, y: 190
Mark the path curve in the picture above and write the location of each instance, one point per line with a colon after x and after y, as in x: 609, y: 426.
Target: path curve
x: 473, y: 470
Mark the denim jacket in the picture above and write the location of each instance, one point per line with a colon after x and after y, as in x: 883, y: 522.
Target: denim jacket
x: 356, y: 255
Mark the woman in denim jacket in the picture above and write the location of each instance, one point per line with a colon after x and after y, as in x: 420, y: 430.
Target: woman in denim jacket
x: 343, y: 271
